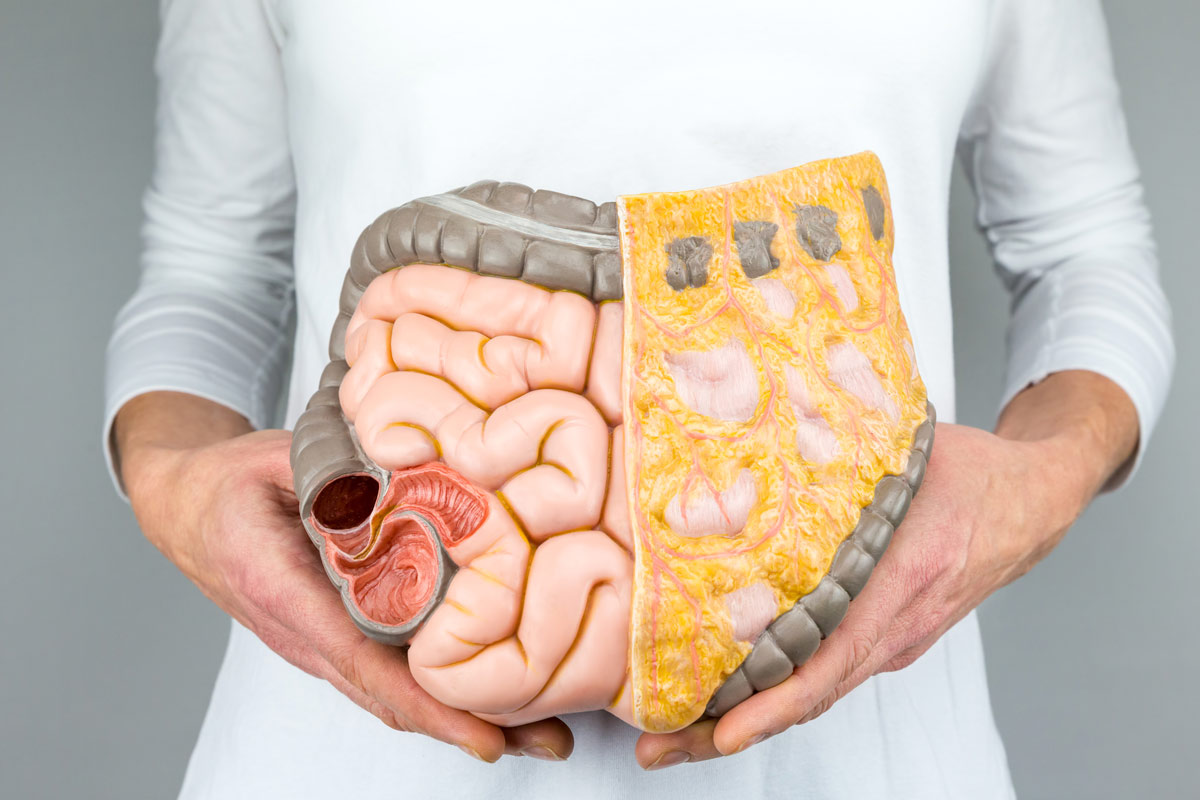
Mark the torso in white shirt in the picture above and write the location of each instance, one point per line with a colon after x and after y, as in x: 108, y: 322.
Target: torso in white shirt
x: 388, y: 101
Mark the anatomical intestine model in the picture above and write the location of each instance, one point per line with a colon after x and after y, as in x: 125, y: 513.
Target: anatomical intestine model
x: 637, y: 456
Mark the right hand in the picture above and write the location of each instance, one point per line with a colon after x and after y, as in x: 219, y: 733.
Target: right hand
x: 225, y: 513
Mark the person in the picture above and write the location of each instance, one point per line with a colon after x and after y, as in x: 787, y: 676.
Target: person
x: 285, y: 127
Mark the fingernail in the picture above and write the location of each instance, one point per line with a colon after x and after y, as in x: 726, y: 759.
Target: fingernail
x: 542, y: 752
x: 670, y: 759
x: 753, y: 740
x: 471, y: 752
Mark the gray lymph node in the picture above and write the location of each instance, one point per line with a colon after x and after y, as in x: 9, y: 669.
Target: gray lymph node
x: 687, y: 262
x: 816, y: 227
x: 753, y: 240
x: 873, y: 201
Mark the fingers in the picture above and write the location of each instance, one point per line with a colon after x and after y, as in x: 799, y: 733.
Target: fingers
x: 774, y: 710
x: 360, y: 698
x: 693, y: 743
x: 382, y: 673
x: 906, y: 640
x: 547, y: 739
x: 377, y: 678
x: 378, y: 673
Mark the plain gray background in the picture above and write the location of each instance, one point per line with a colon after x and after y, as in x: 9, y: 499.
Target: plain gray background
x: 108, y: 654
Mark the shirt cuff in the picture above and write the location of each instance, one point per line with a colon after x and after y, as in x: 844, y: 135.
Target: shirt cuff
x: 1109, y: 318
x: 206, y: 346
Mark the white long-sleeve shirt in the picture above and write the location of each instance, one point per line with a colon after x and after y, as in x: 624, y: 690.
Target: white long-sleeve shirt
x: 285, y: 126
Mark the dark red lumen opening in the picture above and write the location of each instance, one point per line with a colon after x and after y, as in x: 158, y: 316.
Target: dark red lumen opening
x: 346, y: 503
x: 387, y: 547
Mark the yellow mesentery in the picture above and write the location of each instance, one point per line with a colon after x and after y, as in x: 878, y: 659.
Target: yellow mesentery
x: 769, y: 387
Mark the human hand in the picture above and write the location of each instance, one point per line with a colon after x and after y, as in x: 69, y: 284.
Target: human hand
x: 224, y: 512
x: 988, y: 510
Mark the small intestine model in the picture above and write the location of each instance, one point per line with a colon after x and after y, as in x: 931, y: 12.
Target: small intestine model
x: 637, y: 456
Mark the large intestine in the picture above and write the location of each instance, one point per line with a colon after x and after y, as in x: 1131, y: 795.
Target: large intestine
x: 564, y: 505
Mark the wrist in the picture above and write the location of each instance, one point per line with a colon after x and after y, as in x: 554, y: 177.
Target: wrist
x: 1062, y: 480
x: 148, y: 471
x: 1083, y: 428
x: 158, y: 439
x: 152, y: 431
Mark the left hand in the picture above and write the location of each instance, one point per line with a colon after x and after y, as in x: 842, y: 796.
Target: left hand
x: 988, y: 510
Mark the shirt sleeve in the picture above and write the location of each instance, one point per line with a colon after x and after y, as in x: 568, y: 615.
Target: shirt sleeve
x: 210, y: 315
x: 1045, y: 148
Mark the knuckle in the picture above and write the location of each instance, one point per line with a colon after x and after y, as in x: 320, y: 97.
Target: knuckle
x: 902, y: 660
x: 820, y: 708
x: 940, y: 561
x: 857, y: 650
x: 929, y: 568
x: 355, y: 666
x: 919, y: 621
x: 860, y: 650
x: 346, y: 663
x: 923, y: 629
x: 956, y: 558
x: 384, y: 714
